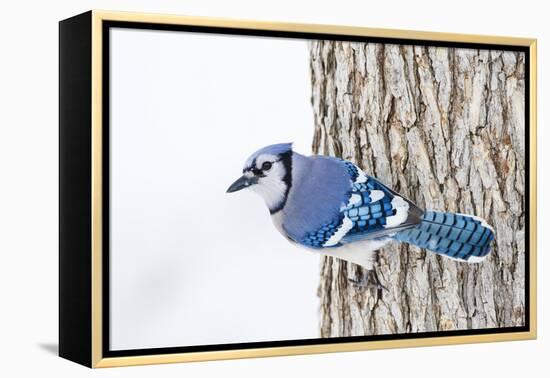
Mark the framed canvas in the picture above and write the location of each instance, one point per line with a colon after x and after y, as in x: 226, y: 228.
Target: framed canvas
x: 236, y: 189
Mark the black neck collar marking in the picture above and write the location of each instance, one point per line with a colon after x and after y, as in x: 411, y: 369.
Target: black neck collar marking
x: 286, y: 158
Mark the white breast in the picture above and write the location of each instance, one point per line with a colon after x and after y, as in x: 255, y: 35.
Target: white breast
x: 277, y: 220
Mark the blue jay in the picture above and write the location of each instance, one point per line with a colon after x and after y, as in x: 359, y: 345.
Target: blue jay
x: 331, y: 206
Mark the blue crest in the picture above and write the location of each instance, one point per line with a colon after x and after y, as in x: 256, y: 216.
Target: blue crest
x: 273, y: 149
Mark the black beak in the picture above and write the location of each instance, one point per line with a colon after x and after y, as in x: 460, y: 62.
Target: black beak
x: 241, y: 183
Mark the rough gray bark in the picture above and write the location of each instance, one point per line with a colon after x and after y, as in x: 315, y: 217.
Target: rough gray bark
x: 444, y: 127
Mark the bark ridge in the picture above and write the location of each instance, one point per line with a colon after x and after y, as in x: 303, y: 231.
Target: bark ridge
x: 445, y: 127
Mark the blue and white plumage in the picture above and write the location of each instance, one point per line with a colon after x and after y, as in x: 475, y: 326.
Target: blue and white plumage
x: 330, y: 205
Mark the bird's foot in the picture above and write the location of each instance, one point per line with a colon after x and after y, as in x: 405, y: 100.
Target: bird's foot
x: 368, y: 280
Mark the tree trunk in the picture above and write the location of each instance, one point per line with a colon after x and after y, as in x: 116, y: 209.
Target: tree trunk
x: 445, y: 128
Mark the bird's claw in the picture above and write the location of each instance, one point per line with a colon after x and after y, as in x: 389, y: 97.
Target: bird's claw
x: 369, y: 279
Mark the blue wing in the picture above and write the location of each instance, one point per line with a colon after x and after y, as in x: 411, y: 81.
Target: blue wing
x: 373, y: 211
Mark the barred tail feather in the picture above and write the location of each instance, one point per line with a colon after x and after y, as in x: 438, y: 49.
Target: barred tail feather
x: 458, y: 236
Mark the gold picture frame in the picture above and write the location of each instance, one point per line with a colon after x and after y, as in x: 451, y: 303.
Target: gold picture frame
x: 82, y: 328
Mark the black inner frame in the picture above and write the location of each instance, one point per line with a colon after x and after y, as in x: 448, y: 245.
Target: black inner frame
x: 107, y: 25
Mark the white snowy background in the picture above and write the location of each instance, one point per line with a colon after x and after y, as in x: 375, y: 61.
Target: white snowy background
x: 191, y: 264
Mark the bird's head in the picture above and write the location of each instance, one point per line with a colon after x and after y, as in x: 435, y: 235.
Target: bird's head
x: 268, y: 173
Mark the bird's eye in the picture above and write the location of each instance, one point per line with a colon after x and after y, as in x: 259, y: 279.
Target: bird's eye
x: 266, y: 166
